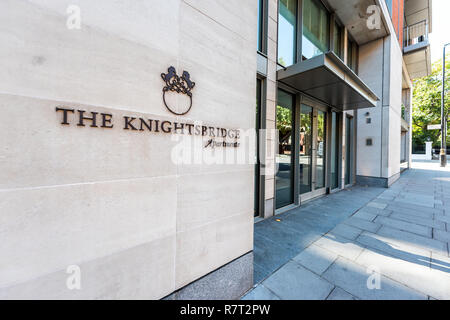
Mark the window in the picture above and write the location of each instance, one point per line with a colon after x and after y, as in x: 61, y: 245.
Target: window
x: 316, y: 30
x: 352, y: 55
x: 337, y: 40
x: 287, y: 33
x: 260, y: 24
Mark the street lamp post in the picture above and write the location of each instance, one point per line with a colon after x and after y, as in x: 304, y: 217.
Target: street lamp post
x: 443, y: 117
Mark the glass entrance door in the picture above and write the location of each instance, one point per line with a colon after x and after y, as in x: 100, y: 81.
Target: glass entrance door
x: 321, y: 147
x: 312, y: 151
x: 305, y: 157
x: 285, y: 160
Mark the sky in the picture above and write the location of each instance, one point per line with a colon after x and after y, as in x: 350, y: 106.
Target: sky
x: 441, y: 28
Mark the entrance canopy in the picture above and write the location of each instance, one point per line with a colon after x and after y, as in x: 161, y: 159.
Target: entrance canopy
x: 329, y: 80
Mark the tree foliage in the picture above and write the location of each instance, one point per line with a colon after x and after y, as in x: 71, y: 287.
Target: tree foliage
x: 427, y: 104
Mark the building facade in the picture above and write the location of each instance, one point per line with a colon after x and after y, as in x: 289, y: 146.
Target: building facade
x: 117, y: 117
x: 337, y: 80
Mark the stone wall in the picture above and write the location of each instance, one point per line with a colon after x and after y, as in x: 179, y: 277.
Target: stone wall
x: 112, y: 201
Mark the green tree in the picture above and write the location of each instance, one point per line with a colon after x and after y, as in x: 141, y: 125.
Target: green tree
x: 427, y: 104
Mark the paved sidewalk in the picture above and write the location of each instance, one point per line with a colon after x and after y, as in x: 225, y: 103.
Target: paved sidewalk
x: 340, y: 245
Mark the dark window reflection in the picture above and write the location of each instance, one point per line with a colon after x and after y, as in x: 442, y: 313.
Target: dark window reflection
x: 334, y: 151
x: 258, y: 127
x: 260, y: 24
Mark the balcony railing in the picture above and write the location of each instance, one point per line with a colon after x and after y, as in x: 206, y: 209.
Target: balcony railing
x: 415, y: 34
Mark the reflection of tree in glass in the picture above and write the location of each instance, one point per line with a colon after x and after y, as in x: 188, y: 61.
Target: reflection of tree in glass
x: 284, y: 126
x: 305, y: 133
x: 320, y: 127
x: 320, y: 133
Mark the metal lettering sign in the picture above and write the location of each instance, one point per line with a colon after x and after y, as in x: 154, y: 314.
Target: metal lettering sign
x: 217, y: 137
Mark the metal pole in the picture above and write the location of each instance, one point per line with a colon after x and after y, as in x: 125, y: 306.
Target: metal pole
x: 443, y: 117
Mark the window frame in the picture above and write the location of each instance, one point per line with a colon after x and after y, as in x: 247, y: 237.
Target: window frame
x: 354, y: 47
x: 300, y: 31
x: 262, y: 37
x: 297, y: 44
x: 334, y: 21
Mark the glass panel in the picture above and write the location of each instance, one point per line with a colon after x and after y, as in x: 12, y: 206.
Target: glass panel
x: 350, y: 54
x: 306, y: 117
x: 321, y: 150
x: 284, y: 177
x: 258, y: 127
x: 334, y: 151
x: 287, y: 32
x: 316, y: 30
x: 349, y: 148
x: 260, y: 24
x: 337, y: 39
x: 352, y: 50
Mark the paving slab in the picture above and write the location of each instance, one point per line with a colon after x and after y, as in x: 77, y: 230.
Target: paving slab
x: 418, y: 220
x: 414, y: 208
x: 341, y: 246
x: 261, y: 293
x: 346, y: 231
x: 270, y: 256
x: 363, y: 224
x: 353, y: 278
x: 414, y: 240
x: 290, y: 238
x: 411, y: 212
x: 379, y: 212
x: 377, y: 204
x: 415, y: 276
x: 405, y: 226
x: 316, y: 259
x: 394, y: 248
x: 340, y: 294
x: 365, y: 215
x: 260, y: 273
x: 294, y: 282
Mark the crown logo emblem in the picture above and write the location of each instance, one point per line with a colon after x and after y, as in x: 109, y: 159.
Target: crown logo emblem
x: 177, y: 84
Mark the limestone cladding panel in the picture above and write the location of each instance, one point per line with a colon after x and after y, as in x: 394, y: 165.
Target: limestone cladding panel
x: 112, y: 201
